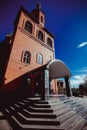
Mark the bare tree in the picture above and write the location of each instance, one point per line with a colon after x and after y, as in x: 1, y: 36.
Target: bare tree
x: 83, y: 87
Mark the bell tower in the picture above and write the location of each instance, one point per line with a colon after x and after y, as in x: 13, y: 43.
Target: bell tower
x: 39, y: 15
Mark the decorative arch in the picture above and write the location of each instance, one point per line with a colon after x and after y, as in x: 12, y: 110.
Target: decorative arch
x: 58, y: 69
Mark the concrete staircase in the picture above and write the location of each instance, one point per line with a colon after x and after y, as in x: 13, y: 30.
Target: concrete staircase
x: 58, y: 113
x: 67, y: 113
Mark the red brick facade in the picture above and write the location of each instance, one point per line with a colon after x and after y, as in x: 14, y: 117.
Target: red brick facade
x: 26, y: 41
x: 31, y: 46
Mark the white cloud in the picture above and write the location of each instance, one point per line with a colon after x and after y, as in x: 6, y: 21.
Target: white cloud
x: 76, y: 80
x: 82, y: 44
x: 82, y: 70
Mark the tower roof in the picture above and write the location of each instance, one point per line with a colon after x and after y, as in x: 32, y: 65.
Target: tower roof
x: 22, y: 9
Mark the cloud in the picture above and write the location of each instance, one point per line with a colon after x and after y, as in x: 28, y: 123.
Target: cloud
x: 82, y: 44
x: 76, y: 80
x: 81, y: 70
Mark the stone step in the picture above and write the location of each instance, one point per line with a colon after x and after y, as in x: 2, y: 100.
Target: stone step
x: 25, y: 103
x: 58, y: 107
x: 39, y: 121
x: 61, y: 111
x: 65, y: 116
x: 53, y: 101
x: 33, y: 100
x: 9, y: 111
x: 76, y: 106
x: 56, y: 96
x: 64, y: 98
x: 33, y: 114
x: 38, y: 115
x: 83, y: 112
x: 56, y: 103
x: 68, y: 101
x: 79, y: 125
x: 43, y: 102
x: 20, y: 126
x: 78, y: 109
x: 37, y: 105
x: 41, y: 110
x: 71, y: 122
x: 73, y: 104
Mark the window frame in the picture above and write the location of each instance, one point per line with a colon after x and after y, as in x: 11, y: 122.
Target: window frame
x: 42, y: 19
x: 28, y: 26
x: 26, y: 59
x: 40, y: 35
x: 49, y: 42
x: 39, y: 61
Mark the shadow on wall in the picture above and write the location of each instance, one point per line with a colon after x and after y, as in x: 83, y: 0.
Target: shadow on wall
x: 27, y: 85
x: 16, y: 89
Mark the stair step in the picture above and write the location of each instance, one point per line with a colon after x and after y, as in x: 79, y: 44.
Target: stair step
x: 61, y: 111
x: 66, y: 116
x: 79, y: 125
x: 53, y: 101
x: 33, y: 99
x: 37, y: 105
x: 39, y: 121
x: 58, y: 107
x: 34, y: 127
x: 83, y: 112
x: 38, y: 115
x: 56, y: 103
x: 71, y: 122
x: 41, y: 110
x: 43, y: 102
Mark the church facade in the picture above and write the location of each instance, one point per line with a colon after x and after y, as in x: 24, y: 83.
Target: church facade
x: 28, y: 51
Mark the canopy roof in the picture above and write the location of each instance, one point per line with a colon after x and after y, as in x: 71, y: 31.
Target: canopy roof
x: 58, y: 69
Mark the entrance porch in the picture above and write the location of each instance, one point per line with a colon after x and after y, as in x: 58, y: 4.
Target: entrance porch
x: 38, y: 81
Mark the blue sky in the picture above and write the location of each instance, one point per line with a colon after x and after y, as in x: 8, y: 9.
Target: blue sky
x: 67, y: 20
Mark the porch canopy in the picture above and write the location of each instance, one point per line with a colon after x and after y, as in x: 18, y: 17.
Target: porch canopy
x: 58, y: 69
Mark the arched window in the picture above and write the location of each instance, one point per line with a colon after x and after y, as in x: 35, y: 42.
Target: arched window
x: 49, y: 42
x: 39, y: 58
x: 27, y: 57
x: 28, y: 26
x: 40, y: 35
x: 41, y: 19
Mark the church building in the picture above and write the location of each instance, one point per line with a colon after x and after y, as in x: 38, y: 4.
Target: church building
x: 27, y: 58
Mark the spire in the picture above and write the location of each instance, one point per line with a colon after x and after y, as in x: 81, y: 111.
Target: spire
x: 38, y: 6
x: 39, y: 14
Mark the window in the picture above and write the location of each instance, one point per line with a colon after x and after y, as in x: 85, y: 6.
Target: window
x: 41, y: 19
x: 39, y: 58
x: 49, y: 42
x: 28, y: 26
x: 27, y: 56
x: 40, y: 35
